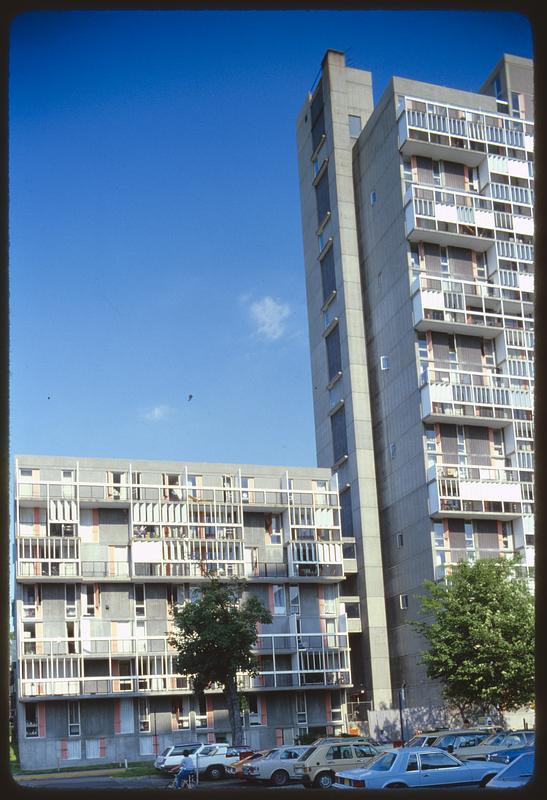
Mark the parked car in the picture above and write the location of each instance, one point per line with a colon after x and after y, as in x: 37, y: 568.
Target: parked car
x: 317, y: 766
x: 235, y: 770
x: 346, y: 739
x: 211, y: 759
x: 518, y: 773
x: 171, y: 756
x: 459, y: 739
x: 497, y: 741
x: 276, y: 767
x: 416, y: 767
x: 509, y: 754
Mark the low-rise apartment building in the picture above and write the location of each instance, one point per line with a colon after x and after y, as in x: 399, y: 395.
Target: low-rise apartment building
x: 105, y: 549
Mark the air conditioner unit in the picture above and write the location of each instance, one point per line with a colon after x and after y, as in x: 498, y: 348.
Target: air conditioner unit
x: 245, y: 497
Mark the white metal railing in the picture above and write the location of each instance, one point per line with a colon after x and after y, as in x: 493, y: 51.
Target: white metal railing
x: 328, y: 649
x: 459, y: 472
x: 484, y: 387
x: 467, y: 124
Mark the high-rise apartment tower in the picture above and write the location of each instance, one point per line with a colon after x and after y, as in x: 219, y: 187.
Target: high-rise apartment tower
x: 418, y: 239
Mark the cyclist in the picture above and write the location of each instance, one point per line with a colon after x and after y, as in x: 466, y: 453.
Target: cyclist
x: 186, y: 769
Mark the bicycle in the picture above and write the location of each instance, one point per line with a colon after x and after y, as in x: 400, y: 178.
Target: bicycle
x: 186, y: 783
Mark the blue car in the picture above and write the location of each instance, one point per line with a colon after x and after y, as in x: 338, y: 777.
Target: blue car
x: 518, y: 773
x: 417, y: 767
x: 509, y: 754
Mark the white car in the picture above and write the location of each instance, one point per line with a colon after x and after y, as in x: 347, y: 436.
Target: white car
x: 277, y: 767
x: 210, y: 759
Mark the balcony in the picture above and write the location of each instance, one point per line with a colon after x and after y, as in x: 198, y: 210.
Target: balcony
x: 467, y: 307
x: 456, y: 134
x: 184, y: 569
x: 469, y: 492
x: 105, y: 569
x: 352, y: 607
x: 473, y: 398
x: 315, y: 560
x: 448, y: 218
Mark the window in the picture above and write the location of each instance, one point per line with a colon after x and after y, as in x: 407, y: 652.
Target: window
x: 403, y: 601
x: 339, y: 752
x: 301, y: 709
x: 438, y: 530
x: 315, y: 165
x: 88, y: 598
x: 334, y: 354
x: 444, y: 260
x: 373, y: 198
x: 436, y: 173
x: 336, y: 705
x: 339, y: 434
x: 144, y: 715
x: 31, y: 720
x: 273, y: 526
x: 354, y: 124
x: 515, y: 104
x: 31, y: 600
x: 294, y: 599
x: 392, y: 449
x: 140, y: 610
x: 330, y: 593
x: 280, y: 606
x: 412, y: 764
x: 497, y: 87
x: 437, y: 761
x: 322, y: 196
x: 345, y: 513
x: 328, y: 278
x: 255, y: 709
x: 400, y: 540
x: 73, y: 718
x: 384, y: 363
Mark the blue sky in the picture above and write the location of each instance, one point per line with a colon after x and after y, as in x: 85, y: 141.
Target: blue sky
x: 155, y: 246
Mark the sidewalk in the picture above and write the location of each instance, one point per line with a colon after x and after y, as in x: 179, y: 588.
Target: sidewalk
x: 83, y: 773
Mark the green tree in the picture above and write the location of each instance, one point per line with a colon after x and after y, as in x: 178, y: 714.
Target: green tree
x: 213, y: 638
x: 481, y: 639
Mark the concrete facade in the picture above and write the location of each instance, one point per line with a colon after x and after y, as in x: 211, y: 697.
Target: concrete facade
x: 106, y: 549
x: 441, y: 208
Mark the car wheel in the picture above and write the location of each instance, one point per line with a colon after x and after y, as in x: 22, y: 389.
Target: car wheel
x: 215, y: 772
x: 280, y: 777
x: 323, y: 780
x: 486, y: 779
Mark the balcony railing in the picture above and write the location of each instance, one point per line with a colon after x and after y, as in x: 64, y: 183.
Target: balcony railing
x: 105, y: 569
x: 185, y: 569
x: 474, y: 490
x: 471, y: 127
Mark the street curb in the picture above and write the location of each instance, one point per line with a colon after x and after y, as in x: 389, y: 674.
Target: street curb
x: 58, y: 775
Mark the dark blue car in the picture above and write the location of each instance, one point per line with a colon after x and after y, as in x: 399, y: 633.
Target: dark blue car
x: 509, y: 754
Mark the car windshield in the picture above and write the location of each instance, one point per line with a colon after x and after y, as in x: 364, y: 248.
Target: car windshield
x: 524, y: 765
x: 274, y: 753
x: 530, y: 737
x: 166, y: 751
x: 307, y: 753
x: 382, y: 762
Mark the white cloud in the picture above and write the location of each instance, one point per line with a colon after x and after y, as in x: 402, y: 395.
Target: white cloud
x: 157, y: 413
x: 269, y: 317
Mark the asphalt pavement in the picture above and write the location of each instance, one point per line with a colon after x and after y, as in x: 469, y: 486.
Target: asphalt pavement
x: 154, y: 782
